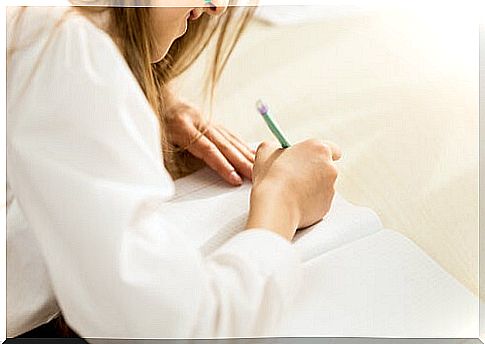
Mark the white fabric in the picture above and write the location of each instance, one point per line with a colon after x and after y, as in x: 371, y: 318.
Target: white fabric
x: 86, y: 180
x: 382, y: 285
x: 360, y: 279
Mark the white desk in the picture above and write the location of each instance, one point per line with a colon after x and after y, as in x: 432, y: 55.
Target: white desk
x: 398, y: 92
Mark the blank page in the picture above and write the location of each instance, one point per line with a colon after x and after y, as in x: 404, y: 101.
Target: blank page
x: 380, y: 286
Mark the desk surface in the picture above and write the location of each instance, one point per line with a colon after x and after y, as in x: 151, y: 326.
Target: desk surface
x: 397, y: 91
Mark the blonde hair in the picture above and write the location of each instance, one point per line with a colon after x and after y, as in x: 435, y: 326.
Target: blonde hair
x: 130, y: 28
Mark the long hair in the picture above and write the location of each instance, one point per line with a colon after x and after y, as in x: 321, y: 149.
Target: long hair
x: 130, y: 29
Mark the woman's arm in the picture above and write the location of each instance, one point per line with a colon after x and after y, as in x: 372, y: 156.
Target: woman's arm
x: 84, y: 162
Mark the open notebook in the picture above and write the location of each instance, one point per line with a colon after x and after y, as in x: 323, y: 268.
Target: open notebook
x: 360, y: 279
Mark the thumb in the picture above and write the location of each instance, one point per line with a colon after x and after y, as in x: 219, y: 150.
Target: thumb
x: 265, y: 150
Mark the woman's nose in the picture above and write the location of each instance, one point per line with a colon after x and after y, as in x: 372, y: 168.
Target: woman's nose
x: 215, y: 7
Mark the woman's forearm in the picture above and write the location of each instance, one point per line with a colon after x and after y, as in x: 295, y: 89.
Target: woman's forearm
x: 272, y: 210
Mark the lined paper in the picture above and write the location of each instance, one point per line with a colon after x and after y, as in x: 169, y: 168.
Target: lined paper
x: 210, y: 212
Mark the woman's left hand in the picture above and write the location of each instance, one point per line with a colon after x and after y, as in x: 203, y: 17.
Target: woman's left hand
x: 220, y: 149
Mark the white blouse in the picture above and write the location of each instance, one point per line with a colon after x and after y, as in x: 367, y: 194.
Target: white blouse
x: 85, y: 180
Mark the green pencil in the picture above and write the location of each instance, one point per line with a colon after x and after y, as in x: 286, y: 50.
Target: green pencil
x: 263, y: 109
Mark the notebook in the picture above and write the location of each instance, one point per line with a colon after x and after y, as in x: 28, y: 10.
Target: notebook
x: 360, y: 278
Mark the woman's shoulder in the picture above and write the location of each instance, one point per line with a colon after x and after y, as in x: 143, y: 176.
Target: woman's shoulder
x: 59, y: 46
x: 75, y: 63
x: 34, y: 25
x: 60, y: 36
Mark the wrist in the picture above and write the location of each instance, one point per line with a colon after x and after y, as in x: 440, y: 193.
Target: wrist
x: 173, y: 103
x: 273, y: 209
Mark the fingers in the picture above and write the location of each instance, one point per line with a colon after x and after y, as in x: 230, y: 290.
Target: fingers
x: 207, y: 151
x: 336, y: 151
x: 236, y: 138
x: 266, y: 149
x: 238, y: 143
x: 328, y: 148
x: 231, y: 152
x: 221, y: 150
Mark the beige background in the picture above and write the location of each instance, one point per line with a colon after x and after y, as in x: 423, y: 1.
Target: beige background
x: 398, y: 91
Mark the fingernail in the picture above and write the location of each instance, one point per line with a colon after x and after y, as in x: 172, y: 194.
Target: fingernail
x: 235, y: 178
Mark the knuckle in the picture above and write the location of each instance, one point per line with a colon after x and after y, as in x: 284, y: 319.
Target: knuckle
x: 203, y: 144
x: 325, y: 150
x: 207, y: 149
x: 258, y: 152
x: 183, y: 119
x: 320, y: 147
x: 224, y: 147
x: 332, y: 172
x: 212, y: 150
x: 328, y: 173
x: 263, y: 146
x: 313, y: 142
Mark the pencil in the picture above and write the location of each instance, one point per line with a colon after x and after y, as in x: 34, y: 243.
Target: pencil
x: 263, y: 109
x: 211, y: 5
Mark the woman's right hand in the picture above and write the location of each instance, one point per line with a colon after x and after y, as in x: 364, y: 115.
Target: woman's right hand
x: 293, y: 187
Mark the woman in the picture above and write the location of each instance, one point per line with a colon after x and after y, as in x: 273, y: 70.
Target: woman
x: 91, y: 122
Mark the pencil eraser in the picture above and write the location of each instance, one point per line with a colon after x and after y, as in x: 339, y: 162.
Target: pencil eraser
x: 262, y: 108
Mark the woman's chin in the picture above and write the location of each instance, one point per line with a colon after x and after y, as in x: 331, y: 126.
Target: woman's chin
x: 184, y: 31
x: 160, y: 56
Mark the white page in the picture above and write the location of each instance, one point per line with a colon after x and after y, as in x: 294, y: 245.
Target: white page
x: 344, y: 223
x: 210, y: 212
x: 380, y: 286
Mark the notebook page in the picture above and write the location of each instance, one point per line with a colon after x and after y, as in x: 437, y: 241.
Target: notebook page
x: 207, y: 209
x: 210, y: 212
x: 344, y: 223
x: 380, y: 286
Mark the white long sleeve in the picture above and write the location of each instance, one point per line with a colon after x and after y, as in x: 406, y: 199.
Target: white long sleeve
x: 84, y: 164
